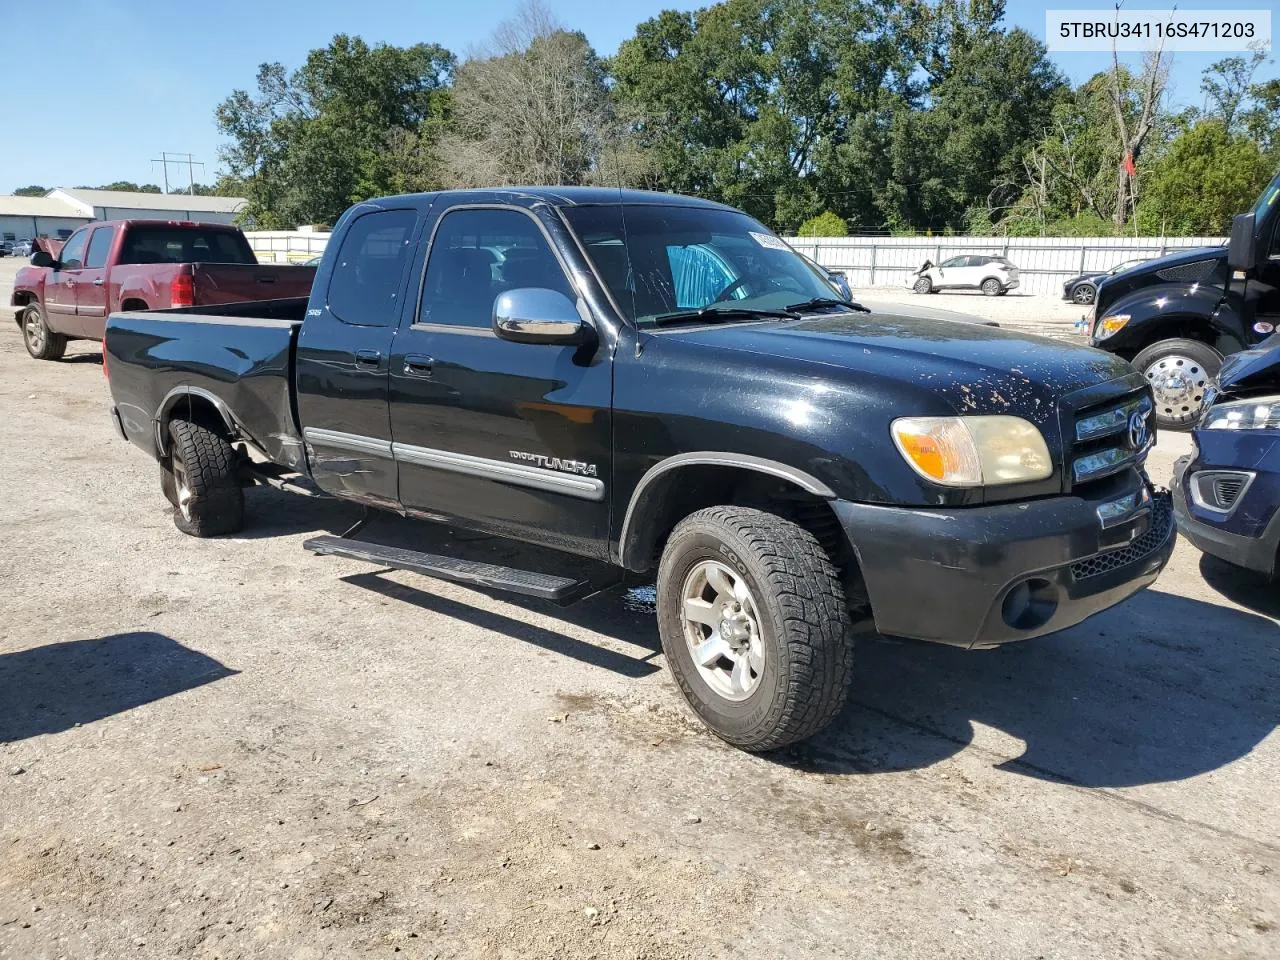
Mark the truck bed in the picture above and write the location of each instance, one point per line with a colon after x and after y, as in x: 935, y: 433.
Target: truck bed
x: 239, y: 355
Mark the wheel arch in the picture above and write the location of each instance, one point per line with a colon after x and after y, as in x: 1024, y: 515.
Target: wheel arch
x: 23, y: 299
x: 1181, y: 326
x: 685, y: 483
x: 133, y: 302
x: 197, y: 405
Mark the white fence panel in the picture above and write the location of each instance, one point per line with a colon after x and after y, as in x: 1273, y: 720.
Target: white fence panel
x: 286, y: 246
x: 1043, y: 262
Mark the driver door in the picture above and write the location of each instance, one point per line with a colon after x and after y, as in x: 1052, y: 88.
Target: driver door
x: 950, y: 272
x: 60, y: 286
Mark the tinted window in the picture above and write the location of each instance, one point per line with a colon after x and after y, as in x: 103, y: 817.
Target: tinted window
x: 72, y: 254
x: 99, y: 245
x: 364, y: 287
x: 185, y: 245
x: 478, y: 254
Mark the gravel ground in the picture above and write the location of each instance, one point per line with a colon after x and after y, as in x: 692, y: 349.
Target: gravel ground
x: 233, y: 749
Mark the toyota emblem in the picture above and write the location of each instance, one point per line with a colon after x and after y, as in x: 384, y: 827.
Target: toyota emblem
x: 1138, y: 429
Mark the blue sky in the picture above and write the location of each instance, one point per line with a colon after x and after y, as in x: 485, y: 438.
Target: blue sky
x: 121, y: 81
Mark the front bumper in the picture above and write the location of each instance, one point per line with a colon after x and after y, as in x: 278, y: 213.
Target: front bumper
x: 984, y: 576
x: 1254, y: 549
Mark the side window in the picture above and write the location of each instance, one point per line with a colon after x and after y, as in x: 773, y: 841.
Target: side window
x: 72, y: 254
x: 99, y: 246
x: 953, y: 262
x: 364, y: 286
x: 478, y: 254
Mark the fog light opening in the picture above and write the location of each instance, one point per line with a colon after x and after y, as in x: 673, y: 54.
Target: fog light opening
x: 1030, y: 604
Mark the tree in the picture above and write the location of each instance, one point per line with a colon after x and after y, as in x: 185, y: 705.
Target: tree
x: 533, y: 108
x: 1226, y: 85
x: 1136, y: 112
x: 826, y: 224
x: 126, y: 186
x: 1207, y: 175
x: 312, y: 142
x: 31, y: 191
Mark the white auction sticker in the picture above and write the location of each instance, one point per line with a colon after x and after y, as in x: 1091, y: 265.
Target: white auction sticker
x: 768, y: 240
x: 1170, y: 30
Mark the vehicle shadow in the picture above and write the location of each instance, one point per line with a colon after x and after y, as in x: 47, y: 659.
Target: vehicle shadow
x: 52, y: 688
x: 1159, y: 688
x: 1244, y: 587
x: 95, y: 358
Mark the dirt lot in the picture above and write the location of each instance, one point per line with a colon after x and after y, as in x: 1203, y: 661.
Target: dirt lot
x: 234, y: 749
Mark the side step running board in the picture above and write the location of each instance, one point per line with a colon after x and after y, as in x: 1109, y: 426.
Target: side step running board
x: 544, y: 586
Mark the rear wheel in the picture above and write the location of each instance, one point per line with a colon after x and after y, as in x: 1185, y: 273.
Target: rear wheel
x: 1179, y: 371
x: 202, y: 482
x: 992, y: 287
x: 754, y: 626
x: 923, y: 285
x: 42, y: 343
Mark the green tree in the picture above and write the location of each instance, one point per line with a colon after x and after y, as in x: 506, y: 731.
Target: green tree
x: 312, y: 142
x: 31, y: 191
x: 826, y: 224
x: 126, y: 186
x: 1206, y: 176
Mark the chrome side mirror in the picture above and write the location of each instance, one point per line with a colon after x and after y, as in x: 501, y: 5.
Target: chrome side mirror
x: 537, y: 315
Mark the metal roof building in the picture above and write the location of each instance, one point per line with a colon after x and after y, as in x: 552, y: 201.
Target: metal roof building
x: 119, y: 205
x: 22, y: 218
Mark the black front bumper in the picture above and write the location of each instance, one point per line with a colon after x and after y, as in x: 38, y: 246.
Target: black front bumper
x: 984, y: 576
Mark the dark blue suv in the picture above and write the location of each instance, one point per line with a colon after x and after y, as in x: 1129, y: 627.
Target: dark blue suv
x: 1226, y: 494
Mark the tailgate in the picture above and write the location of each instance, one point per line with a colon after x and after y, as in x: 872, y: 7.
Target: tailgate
x: 232, y: 282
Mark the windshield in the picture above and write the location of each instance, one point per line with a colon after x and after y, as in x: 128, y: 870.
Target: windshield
x: 658, y: 260
x: 1268, y: 198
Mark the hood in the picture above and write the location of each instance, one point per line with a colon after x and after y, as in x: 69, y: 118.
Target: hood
x: 1175, y: 260
x: 889, y: 309
x: 974, y: 368
x: 1254, y: 369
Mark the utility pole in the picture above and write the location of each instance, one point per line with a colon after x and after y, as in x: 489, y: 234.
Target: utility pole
x: 168, y: 157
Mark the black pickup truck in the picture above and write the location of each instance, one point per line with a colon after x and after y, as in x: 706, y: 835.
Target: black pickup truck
x: 660, y: 383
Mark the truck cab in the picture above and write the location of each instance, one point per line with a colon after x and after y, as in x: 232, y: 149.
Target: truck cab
x: 1176, y: 317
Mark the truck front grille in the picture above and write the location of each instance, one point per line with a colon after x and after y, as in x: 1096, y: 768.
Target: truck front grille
x: 1111, y: 437
x: 1161, y: 521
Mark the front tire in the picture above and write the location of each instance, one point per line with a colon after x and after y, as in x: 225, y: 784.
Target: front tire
x: 202, y: 482
x: 1083, y: 294
x: 41, y: 342
x: 923, y: 285
x: 992, y: 287
x: 754, y: 626
x: 1179, y: 371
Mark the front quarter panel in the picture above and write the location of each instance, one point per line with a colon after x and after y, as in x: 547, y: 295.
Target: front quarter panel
x: 1155, y: 309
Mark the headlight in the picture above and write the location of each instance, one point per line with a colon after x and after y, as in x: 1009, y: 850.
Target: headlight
x: 972, y: 451
x: 1256, y: 413
x: 1110, y: 324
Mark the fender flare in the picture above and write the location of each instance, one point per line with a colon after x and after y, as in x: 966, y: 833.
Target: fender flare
x: 176, y: 396
x: 715, y: 458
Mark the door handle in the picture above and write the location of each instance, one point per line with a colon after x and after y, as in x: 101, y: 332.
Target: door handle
x: 69, y: 282
x: 99, y: 282
x: 371, y: 359
x: 417, y: 365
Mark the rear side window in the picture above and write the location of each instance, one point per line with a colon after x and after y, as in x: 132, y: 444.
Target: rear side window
x: 185, y: 245
x: 364, y: 287
x: 99, y: 247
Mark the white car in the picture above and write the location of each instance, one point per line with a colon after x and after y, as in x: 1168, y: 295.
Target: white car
x: 994, y: 276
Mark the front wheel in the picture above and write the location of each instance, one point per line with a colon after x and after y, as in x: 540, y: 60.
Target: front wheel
x: 202, y: 482
x: 923, y: 285
x: 754, y: 626
x: 1179, y: 371
x: 1083, y: 294
x: 41, y: 342
x: 992, y: 287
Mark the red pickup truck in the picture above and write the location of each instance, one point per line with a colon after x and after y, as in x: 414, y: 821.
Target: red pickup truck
x: 120, y: 265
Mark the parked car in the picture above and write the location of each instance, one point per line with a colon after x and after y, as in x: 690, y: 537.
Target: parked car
x: 6, y: 248
x: 661, y: 384
x: 1227, y: 493
x: 21, y: 248
x: 1083, y: 288
x: 1177, y: 317
x: 994, y: 276
x: 137, y: 265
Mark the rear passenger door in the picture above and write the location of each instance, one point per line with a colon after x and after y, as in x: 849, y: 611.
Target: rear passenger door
x: 508, y: 437
x: 344, y: 351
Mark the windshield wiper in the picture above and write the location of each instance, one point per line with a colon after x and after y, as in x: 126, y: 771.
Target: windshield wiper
x: 817, y: 302
x: 710, y: 314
